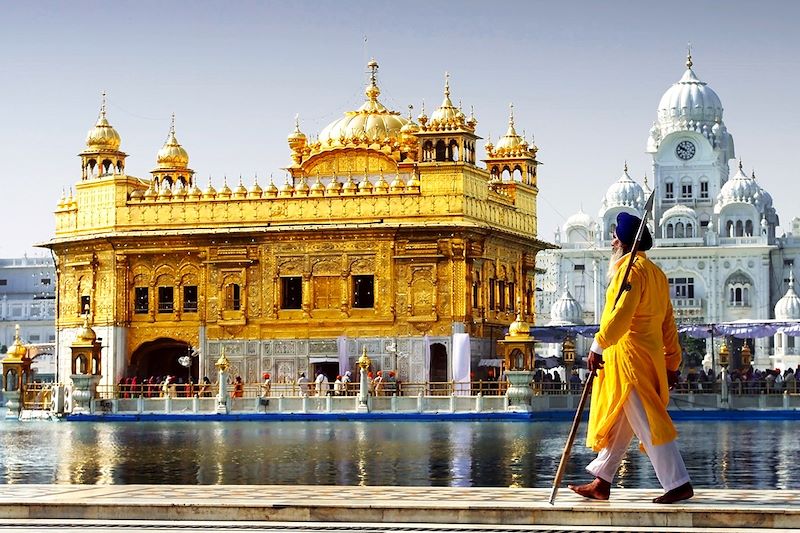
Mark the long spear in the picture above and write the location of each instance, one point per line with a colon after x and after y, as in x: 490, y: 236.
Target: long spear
x: 562, y: 465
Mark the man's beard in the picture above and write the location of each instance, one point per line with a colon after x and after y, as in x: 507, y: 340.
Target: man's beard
x: 616, y: 255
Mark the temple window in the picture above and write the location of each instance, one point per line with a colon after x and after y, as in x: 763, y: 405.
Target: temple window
x: 233, y: 293
x: 492, y: 298
x: 85, y: 305
x: 141, y: 300
x: 291, y: 292
x: 165, y: 300
x: 327, y: 291
x: 476, y: 285
x: 669, y: 191
x: 703, y: 190
x: 364, y: 292
x: 511, y: 295
x: 190, y: 299
x: 501, y: 290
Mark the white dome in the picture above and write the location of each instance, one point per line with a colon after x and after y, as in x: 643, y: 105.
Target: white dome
x: 579, y: 219
x: 624, y: 193
x: 566, y: 310
x: 788, y: 307
x: 690, y: 100
x: 678, y: 211
x: 743, y: 189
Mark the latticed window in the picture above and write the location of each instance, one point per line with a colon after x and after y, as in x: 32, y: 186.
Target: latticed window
x: 141, y: 300
x: 233, y: 293
x: 190, y: 299
x: 166, y: 303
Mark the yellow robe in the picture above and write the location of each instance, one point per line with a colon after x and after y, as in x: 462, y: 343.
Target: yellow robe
x: 640, y: 343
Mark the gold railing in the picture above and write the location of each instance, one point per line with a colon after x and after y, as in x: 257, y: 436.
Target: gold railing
x: 37, y: 396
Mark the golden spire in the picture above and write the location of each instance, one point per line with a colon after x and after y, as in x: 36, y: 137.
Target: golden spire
x: 103, y: 136
x: 17, y: 350
x: 372, y: 90
x: 625, y: 167
x: 172, y: 154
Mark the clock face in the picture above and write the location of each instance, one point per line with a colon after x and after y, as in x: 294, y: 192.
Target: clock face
x: 685, y: 150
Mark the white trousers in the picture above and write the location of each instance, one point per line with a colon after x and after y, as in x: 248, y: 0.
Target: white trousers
x: 666, y: 458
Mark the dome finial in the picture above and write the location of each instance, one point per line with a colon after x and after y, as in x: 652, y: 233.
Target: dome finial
x: 410, y: 110
x: 625, y: 167
x: 740, y: 163
x: 103, y: 104
x: 447, y: 84
x: 511, y: 114
x: 791, y: 279
x: 373, y: 91
x: 689, y: 55
x: 172, y: 125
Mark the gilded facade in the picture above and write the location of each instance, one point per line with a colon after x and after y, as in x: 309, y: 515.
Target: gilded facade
x: 386, y: 233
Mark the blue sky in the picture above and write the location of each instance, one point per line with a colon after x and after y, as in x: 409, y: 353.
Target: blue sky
x: 585, y: 79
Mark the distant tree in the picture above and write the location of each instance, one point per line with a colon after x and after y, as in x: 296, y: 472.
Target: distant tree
x: 694, y: 350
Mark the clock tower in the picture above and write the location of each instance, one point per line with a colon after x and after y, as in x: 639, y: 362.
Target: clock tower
x: 691, y: 148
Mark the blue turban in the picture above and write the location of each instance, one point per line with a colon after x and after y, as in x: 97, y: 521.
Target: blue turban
x: 627, y: 225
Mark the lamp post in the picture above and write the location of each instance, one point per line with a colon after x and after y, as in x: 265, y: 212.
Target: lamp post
x: 363, y: 392
x: 222, y: 365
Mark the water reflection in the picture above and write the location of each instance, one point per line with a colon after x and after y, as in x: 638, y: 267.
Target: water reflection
x: 515, y: 454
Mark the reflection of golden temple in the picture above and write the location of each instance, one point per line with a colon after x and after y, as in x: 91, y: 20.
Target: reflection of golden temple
x: 747, y: 355
x: 384, y: 228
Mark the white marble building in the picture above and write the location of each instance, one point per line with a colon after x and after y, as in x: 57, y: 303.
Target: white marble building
x: 27, y: 298
x: 715, y: 235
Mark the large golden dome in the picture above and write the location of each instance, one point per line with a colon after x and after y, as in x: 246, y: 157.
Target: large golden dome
x: 103, y: 136
x: 172, y: 154
x: 372, y: 123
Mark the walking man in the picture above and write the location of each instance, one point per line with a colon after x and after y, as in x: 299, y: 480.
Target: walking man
x: 636, y: 355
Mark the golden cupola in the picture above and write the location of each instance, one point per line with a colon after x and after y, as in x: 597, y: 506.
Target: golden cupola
x: 172, y: 162
x: 447, y: 116
x: 17, y: 351
x: 297, y: 142
x: 510, y: 144
x: 103, y: 137
x: 102, y: 156
x: 172, y: 155
x: 370, y: 125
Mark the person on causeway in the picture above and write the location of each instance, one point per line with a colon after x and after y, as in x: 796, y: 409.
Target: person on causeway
x: 635, y: 355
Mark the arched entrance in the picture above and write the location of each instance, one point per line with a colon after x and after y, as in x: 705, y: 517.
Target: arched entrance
x: 438, y: 366
x: 159, y: 358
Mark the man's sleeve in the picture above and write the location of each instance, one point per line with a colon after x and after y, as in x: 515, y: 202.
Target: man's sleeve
x: 672, y: 346
x: 620, y: 318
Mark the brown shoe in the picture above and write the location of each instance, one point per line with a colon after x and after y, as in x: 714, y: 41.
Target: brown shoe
x: 684, y: 492
x: 599, y: 489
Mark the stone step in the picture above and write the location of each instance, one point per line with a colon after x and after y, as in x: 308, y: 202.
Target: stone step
x: 628, y: 510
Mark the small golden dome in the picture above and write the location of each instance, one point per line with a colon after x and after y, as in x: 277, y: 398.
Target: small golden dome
x: 511, y: 143
x: 302, y: 188
x: 272, y: 190
x: 397, y: 185
x: 334, y: 187
x: 365, y: 187
x: 241, y: 190
x: 194, y: 192
x: 519, y: 328
x: 349, y: 186
x: 86, y: 334
x: 172, y: 154
x: 318, y: 188
x: 297, y: 139
x: 210, y: 191
x: 136, y: 194
x: 103, y: 137
x: 413, y: 183
x: 287, y: 189
x: 447, y: 116
x: 381, y: 187
x: 255, y: 190
x: 225, y: 192
x: 17, y: 350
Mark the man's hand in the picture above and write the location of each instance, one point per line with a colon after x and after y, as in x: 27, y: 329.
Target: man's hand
x: 672, y: 378
x: 594, y: 361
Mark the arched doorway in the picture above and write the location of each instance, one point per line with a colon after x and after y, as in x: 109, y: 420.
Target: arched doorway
x: 438, y: 366
x: 159, y: 358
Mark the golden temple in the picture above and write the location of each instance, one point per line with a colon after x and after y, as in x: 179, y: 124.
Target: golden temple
x: 386, y: 235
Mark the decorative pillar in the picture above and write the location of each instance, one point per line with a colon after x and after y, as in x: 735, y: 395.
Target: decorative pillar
x: 16, y: 375
x: 363, y: 392
x: 222, y: 364
x: 517, y: 349
x: 85, y: 369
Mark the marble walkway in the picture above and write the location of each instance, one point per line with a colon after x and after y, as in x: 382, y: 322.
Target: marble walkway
x: 356, y: 509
